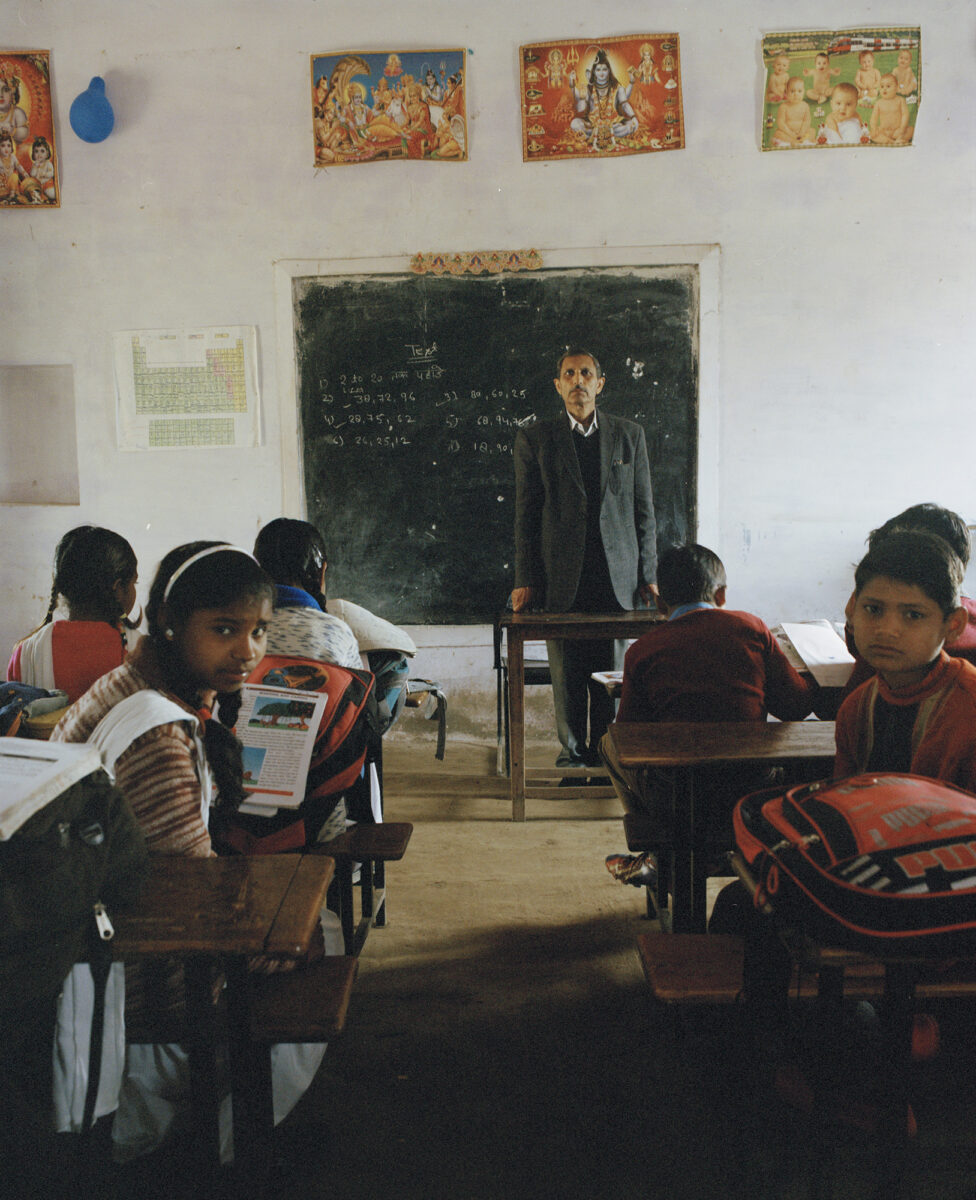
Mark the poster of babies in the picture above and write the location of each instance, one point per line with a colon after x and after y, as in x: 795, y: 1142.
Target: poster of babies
x: 28, y: 159
x: 621, y: 95
x: 393, y: 104
x: 855, y: 87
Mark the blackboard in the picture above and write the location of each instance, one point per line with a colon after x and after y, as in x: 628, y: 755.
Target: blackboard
x: 412, y: 388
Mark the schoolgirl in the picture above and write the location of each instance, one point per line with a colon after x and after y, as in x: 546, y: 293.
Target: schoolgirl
x: 95, y: 574
x: 152, y: 719
x: 293, y: 554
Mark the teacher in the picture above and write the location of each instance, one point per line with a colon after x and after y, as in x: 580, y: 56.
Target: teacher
x: 584, y: 540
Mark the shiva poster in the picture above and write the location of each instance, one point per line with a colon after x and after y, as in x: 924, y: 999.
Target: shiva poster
x: 854, y: 87
x: 621, y: 95
x: 28, y: 158
x: 394, y: 104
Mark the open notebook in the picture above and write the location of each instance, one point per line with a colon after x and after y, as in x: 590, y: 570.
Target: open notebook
x: 818, y: 648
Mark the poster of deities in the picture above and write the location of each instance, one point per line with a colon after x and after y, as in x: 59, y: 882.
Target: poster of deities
x: 581, y: 98
x: 854, y: 87
x: 394, y: 104
x: 28, y: 154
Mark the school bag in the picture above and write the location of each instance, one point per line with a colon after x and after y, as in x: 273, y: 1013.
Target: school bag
x: 878, y: 863
x: 348, y: 728
x: 69, y: 854
x: 20, y: 702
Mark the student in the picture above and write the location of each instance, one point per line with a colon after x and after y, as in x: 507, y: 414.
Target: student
x: 95, y: 573
x: 704, y: 664
x: 308, y: 624
x: 948, y: 525
x: 293, y: 554
x: 208, y: 613
x: 918, y: 714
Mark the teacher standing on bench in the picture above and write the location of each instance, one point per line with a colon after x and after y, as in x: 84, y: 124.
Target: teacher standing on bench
x: 584, y: 540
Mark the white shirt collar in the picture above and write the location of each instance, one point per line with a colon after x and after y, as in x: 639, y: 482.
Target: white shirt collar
x: 576, y: 427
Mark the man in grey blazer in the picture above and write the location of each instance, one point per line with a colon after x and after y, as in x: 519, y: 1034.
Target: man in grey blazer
x: 584, y: 540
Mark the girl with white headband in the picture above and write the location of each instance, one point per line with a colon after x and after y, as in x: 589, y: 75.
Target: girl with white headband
x: 152, y: 719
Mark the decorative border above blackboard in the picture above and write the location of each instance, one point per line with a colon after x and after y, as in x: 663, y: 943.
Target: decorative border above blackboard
x: 476, y: 262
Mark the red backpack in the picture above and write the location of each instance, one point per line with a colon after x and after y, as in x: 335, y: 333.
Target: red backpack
x: 873, y: 862
x: 348, y: 724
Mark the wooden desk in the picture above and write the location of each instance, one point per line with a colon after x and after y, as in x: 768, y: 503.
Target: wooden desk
x: 531, y: 626
x: 689, y: 745
x: 232, y: 908
x: 901, y: 972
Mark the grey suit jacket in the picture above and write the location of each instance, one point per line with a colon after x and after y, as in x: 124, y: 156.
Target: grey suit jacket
x: 550, y: 510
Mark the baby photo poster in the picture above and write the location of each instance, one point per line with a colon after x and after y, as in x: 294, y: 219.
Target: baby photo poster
x: 856, y: 87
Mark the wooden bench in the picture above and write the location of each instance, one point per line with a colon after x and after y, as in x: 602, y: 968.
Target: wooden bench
x: 372, y: 847
x: 308, y: 1004
x: 699, y: 968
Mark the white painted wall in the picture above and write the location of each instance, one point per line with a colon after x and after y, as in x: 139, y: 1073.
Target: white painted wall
x: 844, y: 349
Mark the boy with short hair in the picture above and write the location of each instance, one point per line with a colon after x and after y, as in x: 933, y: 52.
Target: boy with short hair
x: 704, y: 663
x: 918, y: 714
x: 948, y: 525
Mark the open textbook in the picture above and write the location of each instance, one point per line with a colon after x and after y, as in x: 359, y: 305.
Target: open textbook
x: 818, y: 648
x: 33, y: 773
x: 277, y: 727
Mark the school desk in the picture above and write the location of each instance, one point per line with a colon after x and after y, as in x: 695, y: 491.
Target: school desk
x: 687, y: 745
x: 525, y: 627
x: 229, y: 908
x: 902, y: 973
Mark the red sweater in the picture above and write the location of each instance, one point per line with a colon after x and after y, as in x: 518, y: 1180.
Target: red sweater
x: 944, y: 734
x: 711, y: 665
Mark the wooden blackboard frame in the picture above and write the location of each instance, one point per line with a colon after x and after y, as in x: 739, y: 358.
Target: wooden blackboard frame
x: 705, y: 257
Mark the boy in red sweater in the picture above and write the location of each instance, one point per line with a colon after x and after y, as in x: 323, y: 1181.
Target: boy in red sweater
x: 918, y: 714
x: 943, y: 523
x: 703, y: 664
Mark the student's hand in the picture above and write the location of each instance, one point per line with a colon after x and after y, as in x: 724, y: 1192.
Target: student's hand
x: 648, y: 593
x: 522, y: 598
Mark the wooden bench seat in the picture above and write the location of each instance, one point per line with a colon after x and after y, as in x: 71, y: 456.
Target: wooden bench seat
x: 698, y: 968
x: 371, y: 847
x: 305, y: 1005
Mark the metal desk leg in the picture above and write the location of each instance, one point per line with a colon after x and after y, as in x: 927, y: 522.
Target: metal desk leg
x: 201, y: 1053
x: 688, y: 869
x: 516, y: 710
x: 250, y: 1071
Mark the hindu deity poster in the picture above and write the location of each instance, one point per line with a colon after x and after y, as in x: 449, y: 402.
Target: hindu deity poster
x: 853, y: 87
x: 394, y: 104
x: 28, y: 156
x: 620, y: 95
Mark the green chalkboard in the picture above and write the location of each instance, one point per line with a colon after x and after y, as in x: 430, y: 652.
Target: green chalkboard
x: 412, y: 388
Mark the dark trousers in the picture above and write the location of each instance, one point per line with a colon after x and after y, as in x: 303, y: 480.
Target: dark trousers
x: 584, y: 709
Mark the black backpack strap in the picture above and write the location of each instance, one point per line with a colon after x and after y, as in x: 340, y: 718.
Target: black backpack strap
x: 99, y: 963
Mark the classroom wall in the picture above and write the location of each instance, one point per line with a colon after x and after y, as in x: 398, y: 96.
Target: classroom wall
x: 844, y: 349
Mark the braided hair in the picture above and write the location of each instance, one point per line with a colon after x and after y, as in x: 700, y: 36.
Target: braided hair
x: 224, y: 577
x: 293, y: 554
x: 88, y: 563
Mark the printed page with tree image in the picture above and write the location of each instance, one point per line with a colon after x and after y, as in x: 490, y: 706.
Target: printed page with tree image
x: 277, y: 728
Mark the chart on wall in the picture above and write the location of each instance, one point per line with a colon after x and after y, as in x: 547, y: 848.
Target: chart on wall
x: 179, y: 389
x: 854, y: 87
x: 413, y: 388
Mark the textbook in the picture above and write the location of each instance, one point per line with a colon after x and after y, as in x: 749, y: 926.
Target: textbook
x: 277, y: 727
x: 820, y: 650
x: 33, y: 773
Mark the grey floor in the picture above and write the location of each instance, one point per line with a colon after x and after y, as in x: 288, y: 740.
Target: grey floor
x: 501, y: 1043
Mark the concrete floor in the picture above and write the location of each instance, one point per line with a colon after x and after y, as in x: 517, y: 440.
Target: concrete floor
x: 501, y: 1043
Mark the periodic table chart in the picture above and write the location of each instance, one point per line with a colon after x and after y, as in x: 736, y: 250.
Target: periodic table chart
x: 187, y: 388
